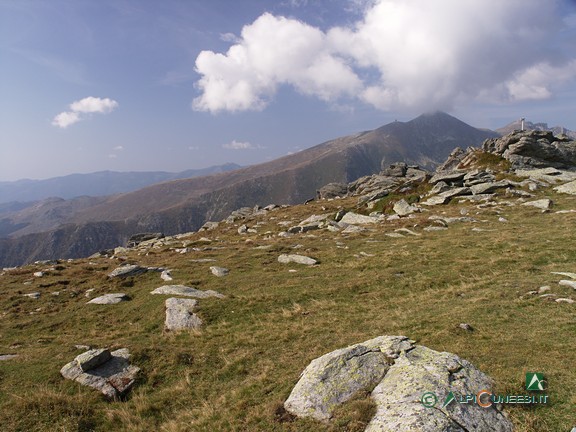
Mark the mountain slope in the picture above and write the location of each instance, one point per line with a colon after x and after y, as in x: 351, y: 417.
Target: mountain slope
x: 184, y: 205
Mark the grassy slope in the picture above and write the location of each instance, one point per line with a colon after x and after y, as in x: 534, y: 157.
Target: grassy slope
x: 236, y: 372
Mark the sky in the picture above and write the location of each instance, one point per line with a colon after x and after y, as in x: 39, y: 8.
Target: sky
x: 147, y: 85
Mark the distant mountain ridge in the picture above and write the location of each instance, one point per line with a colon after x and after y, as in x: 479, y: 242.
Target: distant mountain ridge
x: 184, y: 205
x: 99, y: 183
x: 529, y: 126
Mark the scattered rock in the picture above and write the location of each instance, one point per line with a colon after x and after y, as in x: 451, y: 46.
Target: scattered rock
x: 351, y: 229
x: 402, y: 373
x: 448, y: 177
x: 166, y: 276
x: 219, y: 271
x: 4, y: 357
x: 127, y: 270
x: 209, y: 226
x: 332, y: 190
x: 298, y: 259
x: 186, y: 291
x: 33, y: 295
x: 465, y: 326
x: 565, y: 300
x: 39, y: 274
x: 402, y: 208
x: 568, y: 283
x: 567, y: 188
x: 567, y: 274
x: 109, y: 299
x: 357, y: 219
x: 543, y: 289
x: 180, y: 314
x: 435, y: 228
x: 243, y: 229
x: 113, y: 378
x: 543, y: 204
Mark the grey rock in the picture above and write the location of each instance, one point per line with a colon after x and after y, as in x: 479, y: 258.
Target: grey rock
x: 421, y: 370
x: 436, y: 200
x: 357, y: 219
x: 567, y: 274
x: 465, y: 326
x: 543, y: 204
x: 5, y: 357
x: 166, y: 276
x: 186, y: 291
x: 448, y: 177
x: 567, y: 188
x: 107, y: 299
x: 402, y: 208
x: 298, y: 259
x: 439, y: 187
x: 180, y: 314
x: 334, y: 378
x: 314, y: 219
x: 92, y: 358
x: 568, y: 283
x: 114, y: 378
x: 402, y: 373
x: 483, y: 188
x: 397, y: 169
x: 127, y: 270
x: 407, y: 231
x: 33, y: 295
x: 352, y: 229
x: 435, y: 228
x: 565, y: 300
x: 209, y: 226
x: 219, y: 271
x: 332, y: 190
x: 136, y: 239
x: 243, y: 229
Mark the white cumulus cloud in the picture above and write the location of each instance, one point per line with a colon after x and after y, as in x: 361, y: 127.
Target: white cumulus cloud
x: 240, y: 145
x: 425, y: 54
x: 83, y: 107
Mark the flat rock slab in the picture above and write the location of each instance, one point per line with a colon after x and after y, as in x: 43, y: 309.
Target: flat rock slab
x: 219, y: 271
x: 402, y: 208
x: 398, y: 373
x: 186, y: 291
x: 4, y: 357
x: 180, y: 314
x: 298, y: 259
x: 357, y: 219
x: 113, y: 378
x: 543, y: 204
x: 127, y: 270
x: 567, y: 188
x: 107, y: 299
x: 567, y: 274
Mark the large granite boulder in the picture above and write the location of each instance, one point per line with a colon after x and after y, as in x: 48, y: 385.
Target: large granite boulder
x: 399, y: 375
x: 180, y: 314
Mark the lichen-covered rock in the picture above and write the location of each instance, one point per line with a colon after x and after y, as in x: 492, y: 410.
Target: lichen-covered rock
x: 219, y: 271
x: 186, y: 291
x: 92, y: 358
x: 402, y: 208
x: 335, y: 377
x: 113, y: 378
x: 127, y: 270
x: 180, y: 314
x: 357, y: 219
x: 401, y: 373
x: 543, y: 204
x: 421, y: 370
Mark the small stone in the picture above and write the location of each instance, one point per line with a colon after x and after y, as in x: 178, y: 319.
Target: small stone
x: 543, y: 289
x: 357, y: 219
x: 126, y: 271
x: 243, y: 229
x: 567, y: 274
x: 166, y: 276
x: 219, y: 271
x: 298, y: 259
x: 501, y: 219
x: 465, y: 326
x: 435, y: 228
x: 33, y: 295
x: 38, y: 274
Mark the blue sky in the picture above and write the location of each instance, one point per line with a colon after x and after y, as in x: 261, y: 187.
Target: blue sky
x: 139, y: 85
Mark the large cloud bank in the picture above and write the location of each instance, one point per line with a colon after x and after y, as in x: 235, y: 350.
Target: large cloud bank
x: 402, y: 54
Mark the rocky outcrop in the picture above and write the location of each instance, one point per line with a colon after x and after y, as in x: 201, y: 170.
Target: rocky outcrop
x: 408, y: 383
x: 108, y: 372
x: 534, y: 149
